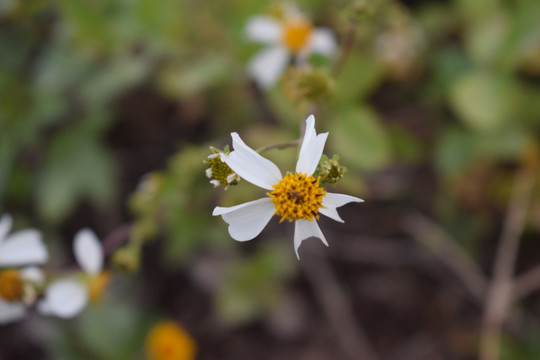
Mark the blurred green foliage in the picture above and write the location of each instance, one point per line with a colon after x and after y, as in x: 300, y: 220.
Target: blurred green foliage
x: 474, y: 66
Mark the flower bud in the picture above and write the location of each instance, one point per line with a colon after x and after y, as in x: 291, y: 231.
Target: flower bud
x: 307, y: 84
x: 219, y: 172
x: 330, y: 170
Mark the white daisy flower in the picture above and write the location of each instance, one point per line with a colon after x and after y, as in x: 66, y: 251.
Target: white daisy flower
x: 294, y: 35
x: 65, y: 298
x: 17, y: 286
x: 295, y: 196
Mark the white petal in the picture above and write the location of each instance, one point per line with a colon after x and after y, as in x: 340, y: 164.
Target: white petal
x: 247, y: 220
x: 5, y: 225
x: 332, y: 201
x: 266, y: 67
x: 64, y: 298
x: 10, y: 312
x: 23, y: 247
x: 33, y: 274
x: 304, y: 229
x: 263, y: 29
x: 251, y: 166
x: 311, y: 149
x: 88, y: 251
x: 323, y: 42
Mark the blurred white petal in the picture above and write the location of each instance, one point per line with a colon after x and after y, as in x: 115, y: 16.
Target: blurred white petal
x: 323, y: 42
x: 267, y: 66
x: 10, y: 312
x: 5, y: 225
x: 33, y: 274
x: 250, y: 165
x: 332, y: 201
x: 263, y: 29
x: 64, y: 298
x: 23, y: 247
x: 304, y: 229
x: 311, y: 149
x: 247, y: 220
x: 88, y: 251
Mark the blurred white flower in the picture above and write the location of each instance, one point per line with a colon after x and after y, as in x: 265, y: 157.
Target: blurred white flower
x: 295, y: 196
x: 22, y: 247
x: 294, y: 35
x: 65, y: 298
x: 17, y: 286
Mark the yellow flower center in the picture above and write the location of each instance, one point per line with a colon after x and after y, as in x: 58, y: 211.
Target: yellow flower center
x: 97, y: 286
x: 168, y: 341
x: 297, y: 196
x: 11, y: 285
x: 296, y: 33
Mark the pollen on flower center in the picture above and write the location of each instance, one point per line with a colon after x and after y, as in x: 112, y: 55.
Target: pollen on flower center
x: 11, y: 285
x: 296, y: 33
x: 297, y: 196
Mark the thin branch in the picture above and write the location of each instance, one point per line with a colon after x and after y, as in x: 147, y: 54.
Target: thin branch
x: 279, y: 146
x: 338, y: 309
x: 446, y: 248
x: 526, y: 283
x: 499, y: 294
x: 117, y: 237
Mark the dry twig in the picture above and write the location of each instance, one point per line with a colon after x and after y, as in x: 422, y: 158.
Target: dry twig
x: 338, y: 309
x: 446, y: 248
x: 499, y: 295
x: 526, y: 283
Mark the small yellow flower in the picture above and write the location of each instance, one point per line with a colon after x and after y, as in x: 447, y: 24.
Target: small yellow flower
x: 168, y: 341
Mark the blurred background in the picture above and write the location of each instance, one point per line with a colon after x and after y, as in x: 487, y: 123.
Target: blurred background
x: 107, y: 112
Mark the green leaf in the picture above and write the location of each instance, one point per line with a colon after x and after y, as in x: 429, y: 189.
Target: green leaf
x: 254, y: 286
x: 184, y: 79
x: 357, y: 78
x: 503, y: 145
x: 360, y: 140
x: 485, y: 102
x: 112, y: 330
x: 454, y: 151
x: 485, y: 38
x: 76, y: 167
x: 458, y: 147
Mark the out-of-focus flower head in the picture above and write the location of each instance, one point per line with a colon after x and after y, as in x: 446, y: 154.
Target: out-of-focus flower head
x: 307, y: 84
x: 67, y: 297
x: 288, y: 34
x: 169, y: 341
x: 17, y: 283
x: 296, y: 196
x: 400, y: 46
